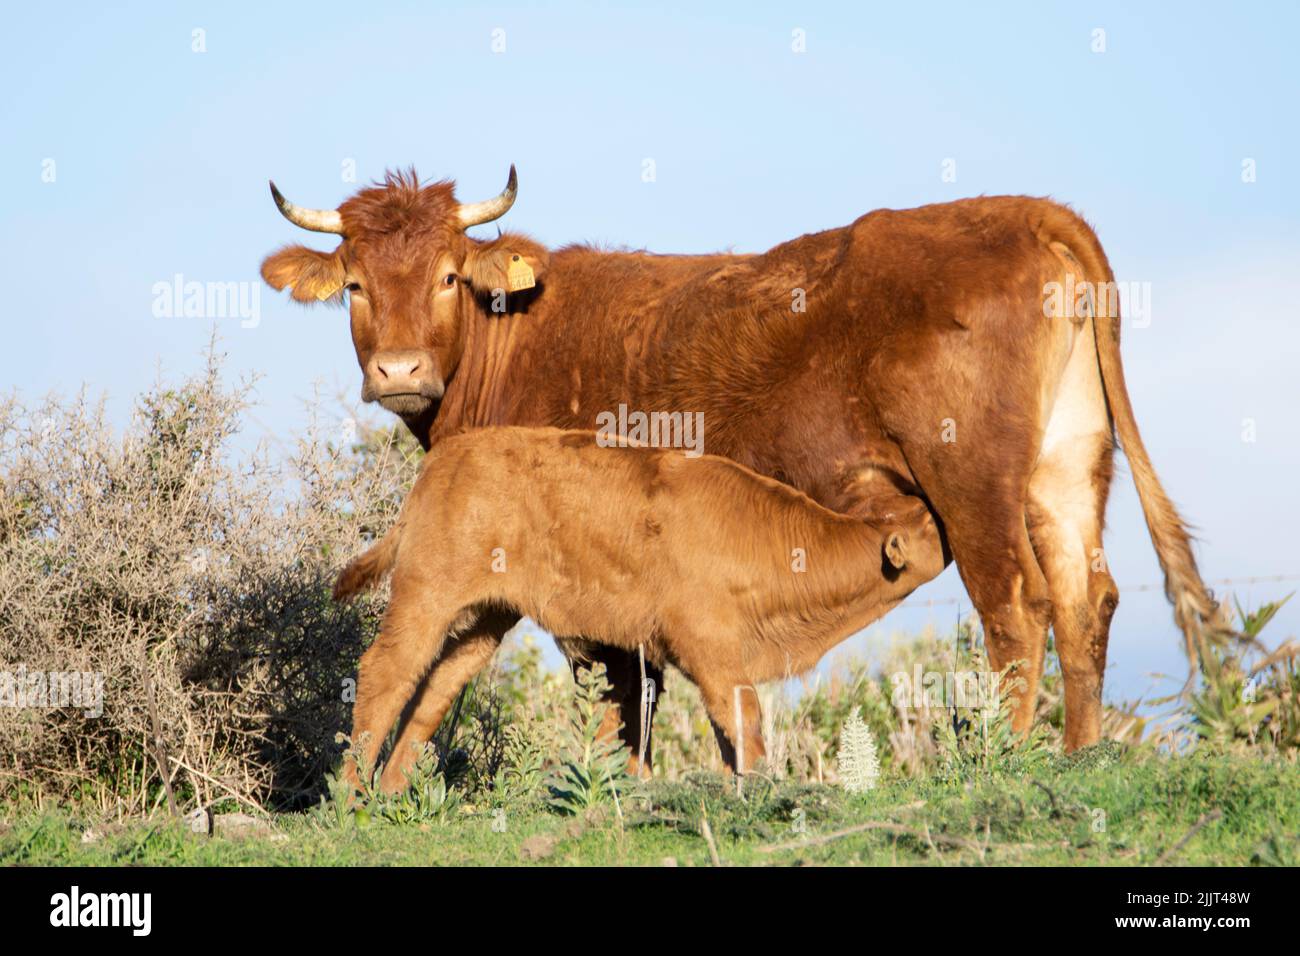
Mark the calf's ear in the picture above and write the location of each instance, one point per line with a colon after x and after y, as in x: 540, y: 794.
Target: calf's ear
x: 895, y: 549
x: 511, y: 262
x: 313, y: 276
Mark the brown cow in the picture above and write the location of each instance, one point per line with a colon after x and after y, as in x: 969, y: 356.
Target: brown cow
x: 733, y: 578
x: 919, y: 351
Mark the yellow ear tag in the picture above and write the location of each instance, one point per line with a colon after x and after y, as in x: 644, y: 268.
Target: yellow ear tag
x: 519, y: 274
x: 328, y: 293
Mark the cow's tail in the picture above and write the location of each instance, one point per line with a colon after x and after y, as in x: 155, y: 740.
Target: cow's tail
x: 365, y: 571
x: 1196, y: 612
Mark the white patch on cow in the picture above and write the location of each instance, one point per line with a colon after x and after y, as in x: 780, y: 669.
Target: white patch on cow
x: 1061, y: 487
x: 1078, y: 408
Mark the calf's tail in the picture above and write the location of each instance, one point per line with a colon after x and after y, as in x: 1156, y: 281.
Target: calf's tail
x: 365, y: 571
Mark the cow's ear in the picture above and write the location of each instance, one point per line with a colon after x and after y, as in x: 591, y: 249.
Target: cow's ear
x: 511, y: 262
x: 895, y: 548
x: 312, y: 275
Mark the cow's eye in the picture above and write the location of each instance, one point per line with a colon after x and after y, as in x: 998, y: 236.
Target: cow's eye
x: 354, y: 287
x: 449, y: 279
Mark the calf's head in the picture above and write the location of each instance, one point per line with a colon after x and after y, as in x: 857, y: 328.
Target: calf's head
x: 411, y: 279
x: 912, y: 548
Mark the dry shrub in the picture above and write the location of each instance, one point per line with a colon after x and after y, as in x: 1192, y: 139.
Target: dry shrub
x: 196, y: 581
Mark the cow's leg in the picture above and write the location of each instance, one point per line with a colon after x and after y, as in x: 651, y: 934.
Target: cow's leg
x: 972, y: 451
x: 623, y: 670
x: 1067, y: 507
x: 461, y: 659
x: 1065, y: 514
x: 981, y: 501
x: 1007, y: 587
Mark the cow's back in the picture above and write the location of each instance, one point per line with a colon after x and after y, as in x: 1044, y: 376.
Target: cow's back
x: 808, y: 362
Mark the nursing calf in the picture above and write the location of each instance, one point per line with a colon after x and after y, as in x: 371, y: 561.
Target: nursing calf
x: 731, y: 577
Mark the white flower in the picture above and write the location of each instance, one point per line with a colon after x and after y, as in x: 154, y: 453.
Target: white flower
x: 859, y: 768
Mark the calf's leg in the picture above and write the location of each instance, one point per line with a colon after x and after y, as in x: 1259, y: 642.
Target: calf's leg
x: 462, y: 658
x: 737, y: 719
x: 716, y: 666
x: 393, y: 668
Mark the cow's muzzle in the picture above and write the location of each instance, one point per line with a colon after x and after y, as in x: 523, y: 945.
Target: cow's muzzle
x: 404, y: 381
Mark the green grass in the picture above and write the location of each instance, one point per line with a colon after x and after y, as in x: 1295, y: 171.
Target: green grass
x: 1104, y: 807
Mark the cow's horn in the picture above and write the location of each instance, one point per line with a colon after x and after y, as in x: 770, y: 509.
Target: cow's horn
x: 317, y: 220
x: 477, y: 213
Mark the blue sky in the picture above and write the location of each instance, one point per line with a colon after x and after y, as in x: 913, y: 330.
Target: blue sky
x: 161, y: 156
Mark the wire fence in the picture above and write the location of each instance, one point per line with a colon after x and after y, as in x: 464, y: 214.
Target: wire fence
x: 1131, y: 589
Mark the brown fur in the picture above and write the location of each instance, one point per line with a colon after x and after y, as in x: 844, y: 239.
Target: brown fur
x: 920, y: 325
x: 693, y: 559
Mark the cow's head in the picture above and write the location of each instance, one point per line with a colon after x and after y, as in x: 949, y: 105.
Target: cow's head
x: 411, y: 278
